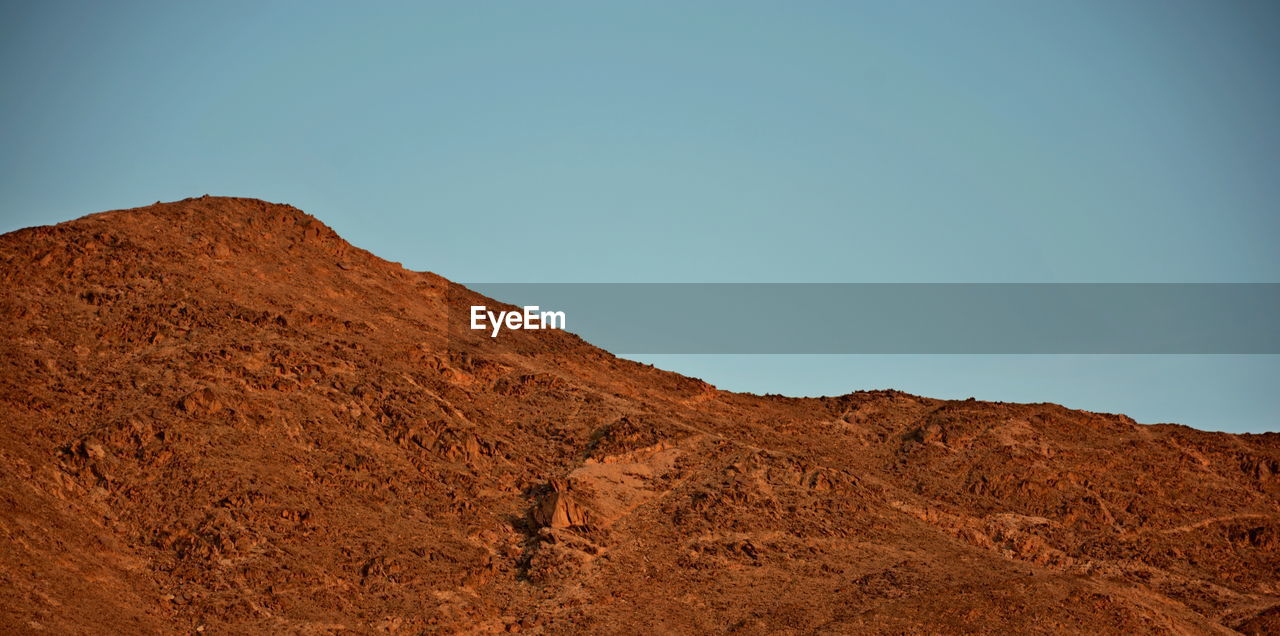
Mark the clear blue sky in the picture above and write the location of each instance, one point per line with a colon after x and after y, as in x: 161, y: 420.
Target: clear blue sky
x: 1080, y: 141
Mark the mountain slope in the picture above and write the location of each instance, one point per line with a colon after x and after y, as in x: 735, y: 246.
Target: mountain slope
x: 218, y: 415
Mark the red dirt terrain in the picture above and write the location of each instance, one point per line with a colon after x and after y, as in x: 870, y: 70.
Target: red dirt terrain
x: 220, y: 417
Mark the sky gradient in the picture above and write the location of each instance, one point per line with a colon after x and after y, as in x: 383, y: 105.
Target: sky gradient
x: 983, y: 141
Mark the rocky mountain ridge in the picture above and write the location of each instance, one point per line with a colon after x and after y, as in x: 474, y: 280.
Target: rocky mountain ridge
x: 221, y: 417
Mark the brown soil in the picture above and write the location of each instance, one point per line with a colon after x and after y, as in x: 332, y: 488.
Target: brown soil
x: 220, y: 417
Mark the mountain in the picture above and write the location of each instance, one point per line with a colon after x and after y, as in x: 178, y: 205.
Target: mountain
x: 220, y: 417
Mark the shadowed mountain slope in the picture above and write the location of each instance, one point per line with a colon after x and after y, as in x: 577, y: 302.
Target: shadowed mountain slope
x: 219, y: 416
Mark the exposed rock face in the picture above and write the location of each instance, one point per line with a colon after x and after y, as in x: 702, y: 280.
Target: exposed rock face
x: 557, y: 509
x: 217, y: 414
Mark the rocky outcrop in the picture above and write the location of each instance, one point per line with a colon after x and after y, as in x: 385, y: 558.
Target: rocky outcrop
x: 558, y: 509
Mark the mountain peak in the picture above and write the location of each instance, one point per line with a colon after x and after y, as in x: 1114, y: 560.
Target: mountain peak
x: 218, y: 412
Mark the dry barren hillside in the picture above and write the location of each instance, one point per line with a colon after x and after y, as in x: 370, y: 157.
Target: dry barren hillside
x: 219, y: 416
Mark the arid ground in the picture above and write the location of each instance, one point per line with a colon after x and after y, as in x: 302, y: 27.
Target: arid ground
x: 220, y: 417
